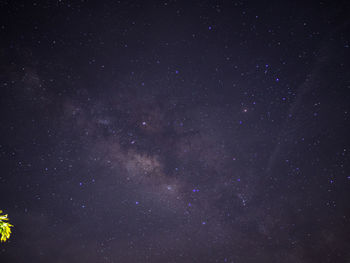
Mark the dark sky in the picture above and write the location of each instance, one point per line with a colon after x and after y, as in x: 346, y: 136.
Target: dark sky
x: 175, y: 131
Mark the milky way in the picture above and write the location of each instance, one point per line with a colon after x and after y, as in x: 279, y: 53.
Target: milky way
x: 201, y: 131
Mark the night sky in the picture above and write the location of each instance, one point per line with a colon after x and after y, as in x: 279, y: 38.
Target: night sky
x: 175, y: 131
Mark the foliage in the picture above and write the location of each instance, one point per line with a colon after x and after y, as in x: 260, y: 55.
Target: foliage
x: 5, y: 227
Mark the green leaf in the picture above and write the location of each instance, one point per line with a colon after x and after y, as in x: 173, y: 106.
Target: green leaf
x: 5, y: 227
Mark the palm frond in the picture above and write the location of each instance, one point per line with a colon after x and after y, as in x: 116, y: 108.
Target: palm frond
x: 5, y: 227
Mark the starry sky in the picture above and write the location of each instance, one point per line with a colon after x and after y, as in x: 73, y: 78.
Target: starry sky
x: 175, y: 131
